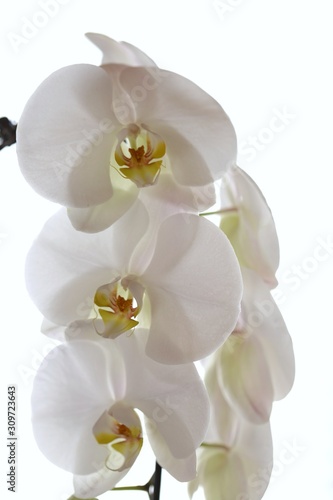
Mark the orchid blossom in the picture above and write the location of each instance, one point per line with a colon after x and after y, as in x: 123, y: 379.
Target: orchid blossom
x: 184, y: 285
x: 84, y: 403
x: 91, y: 138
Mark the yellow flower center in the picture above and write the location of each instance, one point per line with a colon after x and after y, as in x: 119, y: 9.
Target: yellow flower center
x: 115, y: 310
x: 123, y: 442
x: 135, y: 153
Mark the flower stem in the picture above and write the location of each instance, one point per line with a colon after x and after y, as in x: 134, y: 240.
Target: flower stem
x: 220, y: 212
x: 153, y: 487
x: 157, y: 481
x: 130, y: 488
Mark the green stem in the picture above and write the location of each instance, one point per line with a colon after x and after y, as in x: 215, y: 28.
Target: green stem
x: 220, y: 212
x: 153, y: 487
x: 130, y: 488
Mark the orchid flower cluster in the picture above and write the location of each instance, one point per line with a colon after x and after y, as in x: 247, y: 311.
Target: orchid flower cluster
x: 137, y: 283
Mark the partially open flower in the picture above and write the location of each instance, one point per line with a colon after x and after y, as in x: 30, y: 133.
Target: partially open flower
x: 249, y: 225
x: 256, y: 364
x: 236, y: 458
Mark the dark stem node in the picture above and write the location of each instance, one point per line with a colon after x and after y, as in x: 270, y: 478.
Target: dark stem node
x: 7, y: 132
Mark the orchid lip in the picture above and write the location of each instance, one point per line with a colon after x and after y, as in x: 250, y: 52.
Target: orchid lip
x: 139, y: 153
x: 122, y: 441
x: 116, y: 311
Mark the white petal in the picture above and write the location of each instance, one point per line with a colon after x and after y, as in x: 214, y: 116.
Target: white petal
x: 95, y: 484
x: 100, y: 217
x: 75, y: 384
x: 52, y: 330
x: 77, y: 330
x: 140, y: 58
x: 243, y: 471
x: 65, y: 267
x: 175, y: 198
x: 80, y: 380
x: 179, y: 411
x: 225, y: 477
x: 182, y: 469
x: 223, y: 426
x: 222, y: 475
x: 255, y: 449
x: 103, y: 480
x: 264, y: 320
x: 279, y: 352
x: 255, y: 239
x: 193, y: 486
x: 65, y: 136
x: 119, y: 52
x: 162, y: 200
x: 246, y: 380
x: 194, y: 287
x: 83, y: 330
x: 200, y: 139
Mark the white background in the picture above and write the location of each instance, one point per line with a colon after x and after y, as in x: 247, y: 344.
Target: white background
x: 258, y: 58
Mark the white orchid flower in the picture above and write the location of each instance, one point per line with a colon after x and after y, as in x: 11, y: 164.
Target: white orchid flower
x: 184, y: 282
x: 256, y: 365
x: 236, y: 458
x: 91, y: 138
x: 249, y: 225
x: 84, y: 403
